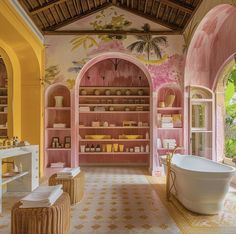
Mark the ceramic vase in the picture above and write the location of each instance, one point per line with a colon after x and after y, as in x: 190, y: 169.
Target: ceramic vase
x: 58, y: 101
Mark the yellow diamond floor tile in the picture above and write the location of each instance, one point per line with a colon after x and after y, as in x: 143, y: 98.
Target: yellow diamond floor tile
x: 117, y: 200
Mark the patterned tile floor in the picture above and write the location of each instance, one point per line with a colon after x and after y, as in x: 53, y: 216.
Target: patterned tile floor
x: 116, y: 201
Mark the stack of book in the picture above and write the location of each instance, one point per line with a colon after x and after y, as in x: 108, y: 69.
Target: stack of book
x: 169, y: 143
x: 167, y: 121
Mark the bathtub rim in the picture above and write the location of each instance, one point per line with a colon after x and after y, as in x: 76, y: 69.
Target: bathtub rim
x: 213, y: 173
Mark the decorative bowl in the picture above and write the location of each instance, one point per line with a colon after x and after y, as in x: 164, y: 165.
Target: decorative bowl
x: 118, y: 92
x: 97, y: 137
x: 127, y: 92
x: 97, y: 92
x: 140, y: 92
x: 107, y: 92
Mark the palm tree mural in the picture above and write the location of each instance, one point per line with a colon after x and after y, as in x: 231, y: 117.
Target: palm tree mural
x: 147, y: 43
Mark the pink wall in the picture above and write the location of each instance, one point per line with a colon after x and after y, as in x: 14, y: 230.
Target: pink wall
x: 212, y: 44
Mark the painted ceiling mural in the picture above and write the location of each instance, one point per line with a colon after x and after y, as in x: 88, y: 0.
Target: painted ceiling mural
x: 162, y: 55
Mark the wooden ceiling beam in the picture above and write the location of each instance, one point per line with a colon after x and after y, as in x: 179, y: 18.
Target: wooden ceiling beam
x: 77, y: 17
x: 110, y: 32
x: 176, y: 4
x: 192, y: 14
x: 45, y: 6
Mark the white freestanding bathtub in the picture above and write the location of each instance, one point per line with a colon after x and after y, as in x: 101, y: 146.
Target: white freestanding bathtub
x: 201, y: 184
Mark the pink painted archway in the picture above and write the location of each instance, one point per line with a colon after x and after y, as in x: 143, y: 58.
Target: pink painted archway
x: 212, y: 44
x: 153, y: 165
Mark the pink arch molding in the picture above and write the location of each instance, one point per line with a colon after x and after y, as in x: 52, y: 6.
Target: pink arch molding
x: 153, y: 167
x: 212, y: 44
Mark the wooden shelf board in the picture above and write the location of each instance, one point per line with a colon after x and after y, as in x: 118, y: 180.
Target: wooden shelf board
x: 3, y: 88
x: 116, y: 127
x: 169, y: 108
x: 126, y: 105
x: 113, y: 87
x: 58, y: 108
x: 169, y: 129
x: 117, y: 153
x: 3, y: 96
x: 181, y: 148
x: 114, y: 140
x: 114, y: 96
x: 3, y: 105
x: 201, y: 100
x: 58, y: 129
x: 201, y: 131
x: 12, y: 178
x: 2, y: 112
x: 58, y: 149
x: 112, y: 112
x: 1, y: 128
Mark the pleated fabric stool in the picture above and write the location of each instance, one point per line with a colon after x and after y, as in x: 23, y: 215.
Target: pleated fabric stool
x: 42, y: 220
x: 73, y: 186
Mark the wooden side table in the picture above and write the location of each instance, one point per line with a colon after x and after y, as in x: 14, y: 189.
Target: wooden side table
x: 42, y: 220
x: 73, y: 186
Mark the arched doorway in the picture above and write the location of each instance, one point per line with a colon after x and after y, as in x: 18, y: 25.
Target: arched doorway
x: 117, y: 58
x: 224, y: 90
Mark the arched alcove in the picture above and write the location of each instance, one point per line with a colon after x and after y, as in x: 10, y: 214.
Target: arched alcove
x: 90, y: 69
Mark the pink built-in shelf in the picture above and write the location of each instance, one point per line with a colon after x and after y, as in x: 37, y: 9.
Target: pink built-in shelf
x: 174, y: 110
x: 123, y: 97
x: 57, y: 115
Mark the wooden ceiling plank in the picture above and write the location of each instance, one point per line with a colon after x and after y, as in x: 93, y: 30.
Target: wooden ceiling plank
x: 139, y: 5
x: 68, y: 9
x: 58, y: 14
x: 145, y: 7
x: 176, y: 16
x: 80, y: 16
x: 88, y: 4
x: 54, y: 18
x: 75, y: 6
x: 192, y: 15
x: 46, y: 18
x: 170, y: 14
x: 95, y: 3
x: 45, y: 6
x: 43, y: 25
x: 158, y: 10
x: 149, y: 17
x: 62, y: 12
x: 153, y: 2
x: 81, y: 6
x: 179, y: 5
x: 109, y: 32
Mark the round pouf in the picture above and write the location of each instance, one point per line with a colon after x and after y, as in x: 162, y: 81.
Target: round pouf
x: 43, y: 220
x: 73, y: 186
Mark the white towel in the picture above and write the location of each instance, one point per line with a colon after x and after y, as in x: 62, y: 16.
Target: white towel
x: 68, y: 172
x: 43, y: 196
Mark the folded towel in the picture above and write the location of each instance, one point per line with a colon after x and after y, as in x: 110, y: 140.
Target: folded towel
x: 43, y: 196
x: 41, y: 204
x: 68, y: 173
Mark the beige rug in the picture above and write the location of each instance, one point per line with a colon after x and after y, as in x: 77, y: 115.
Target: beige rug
x: 192, y: 223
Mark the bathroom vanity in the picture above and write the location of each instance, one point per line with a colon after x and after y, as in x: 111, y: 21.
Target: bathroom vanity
x: 28, y: 179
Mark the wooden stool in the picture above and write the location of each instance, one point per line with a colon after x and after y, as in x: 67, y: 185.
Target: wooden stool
x: 73, y: 186
x: 44, y: 220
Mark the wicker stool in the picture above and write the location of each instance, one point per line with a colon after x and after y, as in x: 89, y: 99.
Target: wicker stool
x: 46, y: 220
x: 73, y: 186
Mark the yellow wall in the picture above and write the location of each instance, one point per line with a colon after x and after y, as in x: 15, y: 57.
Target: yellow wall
x: 25, y: 54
